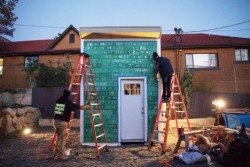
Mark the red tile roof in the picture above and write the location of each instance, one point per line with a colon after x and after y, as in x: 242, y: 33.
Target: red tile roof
x: 28, y: 46
x: 202, y: 40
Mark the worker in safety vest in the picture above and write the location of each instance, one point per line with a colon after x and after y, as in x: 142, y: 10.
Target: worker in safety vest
x: 63, y: 109
x: 164, y: 67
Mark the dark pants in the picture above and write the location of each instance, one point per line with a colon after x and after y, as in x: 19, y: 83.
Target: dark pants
x: 166, y: 82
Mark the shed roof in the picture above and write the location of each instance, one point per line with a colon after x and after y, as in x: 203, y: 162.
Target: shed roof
x: 120, y: 32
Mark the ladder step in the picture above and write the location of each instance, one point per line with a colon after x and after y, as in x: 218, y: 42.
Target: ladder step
x: 77, y: 84
x: 100, y: 147
x: 94, y: 94
x: 176, y: 93
x: 90, y: 83
x: 88, y: 66
x: 100, y: 135
x: 97, y: 125
x: 74, y: 93
x: 96, y: 114
x: 94, y: 104
x: 178, y: 102
x: 159, y: 131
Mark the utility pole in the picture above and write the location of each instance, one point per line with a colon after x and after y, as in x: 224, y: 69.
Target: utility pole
x: 178, y: 32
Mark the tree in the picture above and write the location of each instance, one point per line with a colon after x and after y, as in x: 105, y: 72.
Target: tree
x: 7, y: 17
x: 186, y: 87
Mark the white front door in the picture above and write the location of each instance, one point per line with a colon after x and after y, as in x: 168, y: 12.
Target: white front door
x: 132, y: 110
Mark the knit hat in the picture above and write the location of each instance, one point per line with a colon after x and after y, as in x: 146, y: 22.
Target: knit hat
x: 155, y: 55
x: 66, y: 93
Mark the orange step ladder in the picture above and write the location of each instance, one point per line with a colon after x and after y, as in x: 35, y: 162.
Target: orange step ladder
x: 83, y: 67
x: 169, y: 109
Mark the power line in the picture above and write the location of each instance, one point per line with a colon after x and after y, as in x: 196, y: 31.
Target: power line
x: 27, y: 25
x: 220, y: 27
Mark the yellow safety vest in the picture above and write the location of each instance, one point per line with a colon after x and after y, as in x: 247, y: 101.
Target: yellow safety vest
x: 59, y: 109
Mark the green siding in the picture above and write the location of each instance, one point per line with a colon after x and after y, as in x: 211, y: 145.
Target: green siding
x: 113, y: 59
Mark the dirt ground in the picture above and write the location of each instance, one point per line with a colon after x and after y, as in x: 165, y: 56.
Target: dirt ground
x: 31, y: 150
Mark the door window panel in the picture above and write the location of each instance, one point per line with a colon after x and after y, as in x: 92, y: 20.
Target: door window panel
x: 132, y: 89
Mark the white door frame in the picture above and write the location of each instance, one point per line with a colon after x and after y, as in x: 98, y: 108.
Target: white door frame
x: 144, y: 105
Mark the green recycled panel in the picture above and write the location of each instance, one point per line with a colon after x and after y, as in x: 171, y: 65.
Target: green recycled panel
x: 113, y: 59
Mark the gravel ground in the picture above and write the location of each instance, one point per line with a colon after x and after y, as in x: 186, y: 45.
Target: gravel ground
x: 31, y: 150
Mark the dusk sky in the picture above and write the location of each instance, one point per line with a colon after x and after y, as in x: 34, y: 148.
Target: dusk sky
x: 44, y: 19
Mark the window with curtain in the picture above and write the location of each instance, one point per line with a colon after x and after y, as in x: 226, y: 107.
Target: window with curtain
x: 241, y: 55
x: 209, y: 60
x: 28, y: 60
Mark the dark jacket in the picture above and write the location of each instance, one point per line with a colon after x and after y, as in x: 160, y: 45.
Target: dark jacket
x: 164, y: 67
x: 63, y: 109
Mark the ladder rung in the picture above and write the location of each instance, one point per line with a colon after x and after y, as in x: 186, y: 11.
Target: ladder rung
x: 94, y: 94
x: 78, y: 74
x: 178, y: 102
x: 94, y: 104
x: 100, y: 135
x: 100, y: 147
x: 97, y: 125
x: 90, y: 74
x: 176, y: 93
x: 90, y: 83
x: 180, y: 111
x: 74, y: 93
x: 76, y: 84
x: 88, y: 66
x: 176, y: 86
x: 96, y: 114
x: 162, y: 121
x: 159, y: 131
x: 157, y: 141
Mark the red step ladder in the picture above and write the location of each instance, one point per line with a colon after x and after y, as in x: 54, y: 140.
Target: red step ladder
x: 169, y: 109
x: 83, y: 67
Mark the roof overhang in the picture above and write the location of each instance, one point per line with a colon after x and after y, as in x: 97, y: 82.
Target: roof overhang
x: 120, y: 32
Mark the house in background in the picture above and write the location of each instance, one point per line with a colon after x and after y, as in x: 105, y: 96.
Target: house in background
x: 217, y: 63
x: 15, y: 56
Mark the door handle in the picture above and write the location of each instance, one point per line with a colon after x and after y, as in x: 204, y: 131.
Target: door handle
x: 142, y: 110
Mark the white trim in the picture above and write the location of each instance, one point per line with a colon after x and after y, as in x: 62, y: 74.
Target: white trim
x: 82, y: 103
x: 121, y: 29
x: 144, y: 104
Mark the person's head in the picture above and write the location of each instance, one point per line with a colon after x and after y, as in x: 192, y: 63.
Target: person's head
x: 155, y: 56
x: 66, y: 93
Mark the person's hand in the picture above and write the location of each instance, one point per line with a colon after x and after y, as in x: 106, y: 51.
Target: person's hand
x: 157, y: 77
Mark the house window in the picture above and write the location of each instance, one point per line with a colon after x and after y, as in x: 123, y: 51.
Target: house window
x: 1, y: 66
x: 132, y: 89
x: 241, y: 55
x: 201, y: 61
x: 29, y: 60
x: 71, y: 38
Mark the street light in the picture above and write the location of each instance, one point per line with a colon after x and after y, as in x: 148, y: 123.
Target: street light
x: 219, y: 104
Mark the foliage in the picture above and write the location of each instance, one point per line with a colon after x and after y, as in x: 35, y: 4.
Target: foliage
x: 7, y: 17
x: 31, y: 70
x: 186, y: 87
x: 49, y: 76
